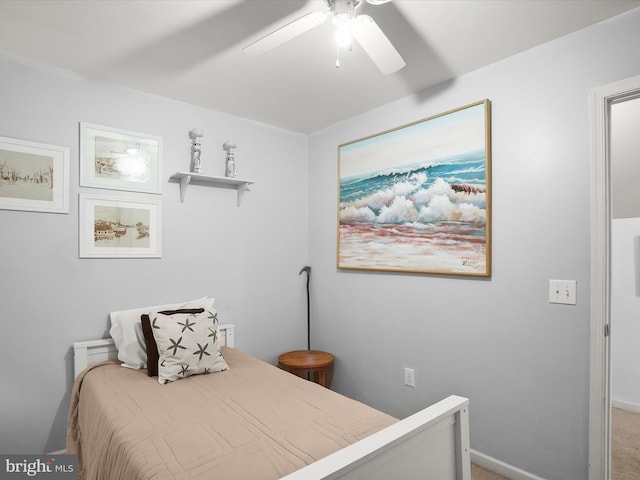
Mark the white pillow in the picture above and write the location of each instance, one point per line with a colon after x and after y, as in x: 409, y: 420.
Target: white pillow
x: 126, y: 330
x: 187, y: 344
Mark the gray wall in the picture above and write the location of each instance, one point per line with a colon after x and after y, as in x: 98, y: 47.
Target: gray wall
x: 625, y: 159
x: 247, y: 257
x: 522, y: 361
x: 625, y: 313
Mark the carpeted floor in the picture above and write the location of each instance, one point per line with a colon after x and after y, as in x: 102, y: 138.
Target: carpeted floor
x: 625, y: 445
x: 479, y: 473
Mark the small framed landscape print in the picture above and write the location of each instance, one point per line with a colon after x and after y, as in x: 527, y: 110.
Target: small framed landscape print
x: 417, y: 198
x: 120, y: 160
x: 120, y: 227
x: 33, y: 176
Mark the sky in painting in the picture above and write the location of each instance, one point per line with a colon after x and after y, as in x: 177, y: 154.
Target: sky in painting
x: 457, y: 132
x: 125, y: 216
x: 25, y: 163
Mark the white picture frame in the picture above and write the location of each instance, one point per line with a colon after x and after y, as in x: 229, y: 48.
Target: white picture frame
x: 120, y: 226
x: 116, y: 159
x: 33, y: 176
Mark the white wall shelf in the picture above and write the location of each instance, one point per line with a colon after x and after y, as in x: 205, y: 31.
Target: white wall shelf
x: 185, y: 178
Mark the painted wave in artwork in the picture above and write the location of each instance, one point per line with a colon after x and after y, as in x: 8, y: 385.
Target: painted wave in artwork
x: 431, y: 213
x: 452, y: 189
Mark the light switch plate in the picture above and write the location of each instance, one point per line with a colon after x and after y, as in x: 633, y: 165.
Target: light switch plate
x: 562, y: 291
x: 409, y: 377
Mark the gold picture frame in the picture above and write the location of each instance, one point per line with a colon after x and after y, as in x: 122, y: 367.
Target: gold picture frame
x: 417, y: 198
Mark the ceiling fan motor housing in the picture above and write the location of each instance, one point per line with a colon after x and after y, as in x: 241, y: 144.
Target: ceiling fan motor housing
x: 343, y: 10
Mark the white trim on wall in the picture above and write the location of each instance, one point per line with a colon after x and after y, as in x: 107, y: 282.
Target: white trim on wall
x: 628, y: 406
x: 502, y: 468
x: 599, y: 401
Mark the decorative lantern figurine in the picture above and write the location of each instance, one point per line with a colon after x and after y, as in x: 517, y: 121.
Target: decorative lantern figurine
x: 230, y: 163
x: 196, y: 151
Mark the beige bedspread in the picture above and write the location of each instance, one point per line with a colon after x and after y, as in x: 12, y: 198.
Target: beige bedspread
x: 252, y: 421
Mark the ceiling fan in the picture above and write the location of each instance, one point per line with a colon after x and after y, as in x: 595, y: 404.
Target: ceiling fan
x: 348, y: 25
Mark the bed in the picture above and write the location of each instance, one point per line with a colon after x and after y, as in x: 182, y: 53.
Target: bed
x: 248, y: 421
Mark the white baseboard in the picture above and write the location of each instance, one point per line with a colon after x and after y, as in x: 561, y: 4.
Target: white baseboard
x: 58, y: 452
x: 495, y: 465
x: 631, y: 407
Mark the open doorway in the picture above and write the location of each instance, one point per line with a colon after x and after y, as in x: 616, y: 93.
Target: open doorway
x: 602, y: 99
x: 625, y: 289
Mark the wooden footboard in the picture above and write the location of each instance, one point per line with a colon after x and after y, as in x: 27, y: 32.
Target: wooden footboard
x: 432, y: 444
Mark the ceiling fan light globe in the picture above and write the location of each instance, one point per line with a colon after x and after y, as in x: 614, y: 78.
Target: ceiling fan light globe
x: 342, y: 20
x: 343, y: 37
x: 344, y: 28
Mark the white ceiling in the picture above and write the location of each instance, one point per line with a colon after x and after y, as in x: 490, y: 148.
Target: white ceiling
x: 192, y: 50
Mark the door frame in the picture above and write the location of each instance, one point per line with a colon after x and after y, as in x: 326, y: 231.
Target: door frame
x: 601, y: 99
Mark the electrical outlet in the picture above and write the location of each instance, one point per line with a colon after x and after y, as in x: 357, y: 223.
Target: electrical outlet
x: 562, y: 291
x: 409, y: 377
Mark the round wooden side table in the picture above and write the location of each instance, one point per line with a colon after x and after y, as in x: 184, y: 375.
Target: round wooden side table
x: 318, y: 364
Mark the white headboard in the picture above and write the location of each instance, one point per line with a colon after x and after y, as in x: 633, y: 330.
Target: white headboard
x: 94, y: 351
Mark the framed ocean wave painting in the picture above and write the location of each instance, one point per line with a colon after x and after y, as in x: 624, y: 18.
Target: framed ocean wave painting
x: 417, y: 198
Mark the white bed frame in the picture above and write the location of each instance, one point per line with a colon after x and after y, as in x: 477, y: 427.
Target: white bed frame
x: 94, y: 351
x: 432, y: 444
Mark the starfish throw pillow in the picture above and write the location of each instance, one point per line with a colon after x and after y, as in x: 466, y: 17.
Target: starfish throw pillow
x: 187, y: 344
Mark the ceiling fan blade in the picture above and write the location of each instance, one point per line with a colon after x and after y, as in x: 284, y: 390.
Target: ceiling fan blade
x: 286, y: 33
x: 377, y: 45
